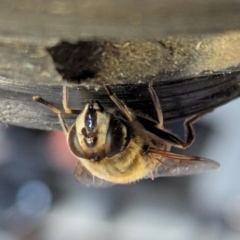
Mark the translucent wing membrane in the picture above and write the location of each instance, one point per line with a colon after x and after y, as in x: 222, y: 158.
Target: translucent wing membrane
x: 172, y: 164
x: 86, y: 178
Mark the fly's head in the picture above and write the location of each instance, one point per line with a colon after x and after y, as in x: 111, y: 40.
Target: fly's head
x: 97, y: 134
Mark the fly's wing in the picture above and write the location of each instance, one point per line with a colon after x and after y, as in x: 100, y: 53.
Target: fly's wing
x: 86, y: 178
x: 172, y: 164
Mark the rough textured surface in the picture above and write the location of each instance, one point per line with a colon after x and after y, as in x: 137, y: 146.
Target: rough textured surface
x: 46, y: 44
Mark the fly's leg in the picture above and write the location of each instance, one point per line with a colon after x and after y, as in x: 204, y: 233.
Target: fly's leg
x: 55, y: 110
x: 188, y: 123
x: 65, y: 103
x: 189, y: 132
x: 119, y: 103
x: 164, y: 134
x: 157, y: 105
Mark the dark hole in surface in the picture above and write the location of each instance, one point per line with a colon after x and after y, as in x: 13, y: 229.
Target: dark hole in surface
x: 77, y: 62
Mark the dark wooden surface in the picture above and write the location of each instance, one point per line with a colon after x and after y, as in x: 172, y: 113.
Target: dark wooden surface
x: 46, y: 44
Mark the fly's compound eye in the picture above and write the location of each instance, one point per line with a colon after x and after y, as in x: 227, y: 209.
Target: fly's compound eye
x: 74, y: 143
x: 117, y: 138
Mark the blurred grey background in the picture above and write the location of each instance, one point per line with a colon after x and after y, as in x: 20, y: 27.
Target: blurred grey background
x: 41, y: 200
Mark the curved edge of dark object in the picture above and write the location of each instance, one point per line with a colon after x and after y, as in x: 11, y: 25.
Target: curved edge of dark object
x: 179, y: 98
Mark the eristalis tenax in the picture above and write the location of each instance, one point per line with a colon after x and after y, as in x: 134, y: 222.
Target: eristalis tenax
x: 118, y: 146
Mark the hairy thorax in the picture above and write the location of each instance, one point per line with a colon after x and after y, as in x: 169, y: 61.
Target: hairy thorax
x: 128, y: 166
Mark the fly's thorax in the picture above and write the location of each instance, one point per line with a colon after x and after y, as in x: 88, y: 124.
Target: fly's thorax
x: 97, y: 134
x: 127, y: 166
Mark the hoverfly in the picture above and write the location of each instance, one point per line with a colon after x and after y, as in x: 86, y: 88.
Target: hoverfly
x: 118, y: 146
